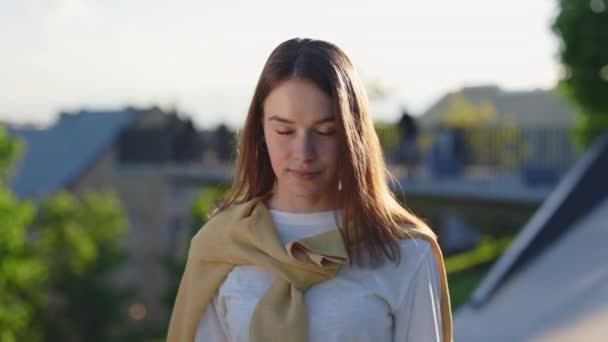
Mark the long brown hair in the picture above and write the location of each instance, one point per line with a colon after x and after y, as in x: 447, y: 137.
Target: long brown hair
x: 371, y: 216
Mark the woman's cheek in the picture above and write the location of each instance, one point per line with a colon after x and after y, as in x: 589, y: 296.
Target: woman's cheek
x: 331, y: 149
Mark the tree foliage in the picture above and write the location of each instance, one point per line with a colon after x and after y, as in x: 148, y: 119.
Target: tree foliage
x: 492, y: 139
x: 79, y: 239
x: 58, y: 259
x: 388, y: 135
x: 22, y: 272
x: 582, y: 27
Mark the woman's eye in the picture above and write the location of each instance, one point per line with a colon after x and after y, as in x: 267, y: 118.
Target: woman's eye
x: 330, y: 132
x: 327, y: 133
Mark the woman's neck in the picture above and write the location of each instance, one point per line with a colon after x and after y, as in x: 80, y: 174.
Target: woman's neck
x: 300, y: 204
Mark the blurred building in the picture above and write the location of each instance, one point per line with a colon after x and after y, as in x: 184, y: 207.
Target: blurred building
x: 534, y: 108
x: 156, y: 162
x: 524, y: 131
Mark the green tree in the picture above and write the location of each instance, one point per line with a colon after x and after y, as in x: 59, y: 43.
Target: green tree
x: 22, y: 272
x: 388, y: 135
x: 80, y: 241
x: 10, y: 150
x: 582, y: 27
x: 492, y: 139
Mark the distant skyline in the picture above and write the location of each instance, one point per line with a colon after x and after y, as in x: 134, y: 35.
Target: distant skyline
x: 204, y: 58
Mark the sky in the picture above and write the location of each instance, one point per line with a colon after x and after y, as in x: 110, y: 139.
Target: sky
x: 204, y: 57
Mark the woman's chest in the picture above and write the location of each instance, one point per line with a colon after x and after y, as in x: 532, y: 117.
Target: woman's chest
x: 339, y: 309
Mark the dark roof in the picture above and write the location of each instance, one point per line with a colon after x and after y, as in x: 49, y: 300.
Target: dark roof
x: 534, y: 108
x: 54, y: 157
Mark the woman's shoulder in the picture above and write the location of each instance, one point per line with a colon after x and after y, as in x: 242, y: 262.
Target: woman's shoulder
x: 418, y: 244
x: 412, y: 253
x: 415, y: 250
x: 407, y: 231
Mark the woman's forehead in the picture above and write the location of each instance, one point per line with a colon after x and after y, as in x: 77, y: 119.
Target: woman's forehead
x: 298, y: 100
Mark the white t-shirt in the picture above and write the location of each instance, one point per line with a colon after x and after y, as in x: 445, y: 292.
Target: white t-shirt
x: 389, y: 303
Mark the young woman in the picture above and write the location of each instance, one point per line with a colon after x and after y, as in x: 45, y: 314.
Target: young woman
x: 311, y: 245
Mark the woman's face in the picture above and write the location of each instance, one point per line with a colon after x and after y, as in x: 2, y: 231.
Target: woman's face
x: 300, y: 133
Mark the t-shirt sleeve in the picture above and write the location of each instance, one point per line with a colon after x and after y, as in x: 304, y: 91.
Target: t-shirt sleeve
x: 210, y: 327
x: 418, y: 317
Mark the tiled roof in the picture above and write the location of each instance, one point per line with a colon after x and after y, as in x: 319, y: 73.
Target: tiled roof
x: 54, y: 157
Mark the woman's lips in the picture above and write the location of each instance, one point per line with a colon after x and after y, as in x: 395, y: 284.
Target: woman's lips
x: 305, y: 174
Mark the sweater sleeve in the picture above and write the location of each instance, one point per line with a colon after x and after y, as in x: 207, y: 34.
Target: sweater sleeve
x: 210, y: 328
x: 418, y: 317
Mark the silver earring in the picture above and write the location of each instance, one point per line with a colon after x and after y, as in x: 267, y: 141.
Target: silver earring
x: 339, y: 185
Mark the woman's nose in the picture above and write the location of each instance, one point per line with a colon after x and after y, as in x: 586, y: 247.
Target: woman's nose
x: 305, y: 148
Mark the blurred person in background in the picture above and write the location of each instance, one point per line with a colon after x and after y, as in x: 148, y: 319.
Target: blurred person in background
x: 408, y: 148
x: 311, y: 245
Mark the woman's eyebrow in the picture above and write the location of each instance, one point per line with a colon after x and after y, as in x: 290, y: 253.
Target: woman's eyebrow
x: 327, y: 119
x: 279, y: 119
x: 284, y: 120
